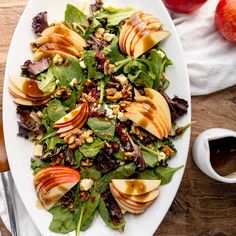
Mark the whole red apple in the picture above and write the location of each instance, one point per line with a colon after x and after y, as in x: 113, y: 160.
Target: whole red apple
x: 184, y: 6
x: 225, y: 19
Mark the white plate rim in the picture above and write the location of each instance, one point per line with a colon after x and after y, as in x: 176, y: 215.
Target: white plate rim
x: 177, y: 179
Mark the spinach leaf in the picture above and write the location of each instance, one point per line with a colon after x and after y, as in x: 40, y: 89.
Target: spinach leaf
x: 78, y: 157
x: 71, y: 101
x: 112, y: 51
x: 63, y: 220
x: 48, y: 80
x: 90, y: 62
x: 114, y: 15
x: 165, y: 174
x: 75, y: 19
x: 104, y: 213
x: 90, y: 206
x: 92, y: 28
x: 91, y: 149
x: 88, y: 222
x: 90, y: 173
x: 55, y: 110
x: 150, y: 159
x: 147, y: 174
x: 37, y: 165
x: 121, y: 172
x: 53, y: 141
x: 68, y: 71
x: 103, y: 127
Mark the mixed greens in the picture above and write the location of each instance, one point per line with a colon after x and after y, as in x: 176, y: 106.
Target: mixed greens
x: 108, y: 146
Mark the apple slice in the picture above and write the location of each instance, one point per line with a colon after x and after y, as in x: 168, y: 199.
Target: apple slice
x: 28, y: 86
x: 134, y: 21
x: 51, y: 183
x: 52, y: 170
x: 79, y: 122
x: 50, y: 193
x: 24, y: 102
x: 135, y: 186
x: 124, y: 207
x: 128, y: 199
x: 145, y: 118
x: 151, y: 23
x: 146, y: 40
x: 61, y: 29
x: 134, y: 17
x: 38, y: 55
x: 160, y: 102
x: 55, y: 38
x: 68, y: 118
x: 158, y: 109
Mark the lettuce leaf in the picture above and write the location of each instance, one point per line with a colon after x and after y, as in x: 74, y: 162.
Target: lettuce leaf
x: 75, y: 19
x: 114, y: 15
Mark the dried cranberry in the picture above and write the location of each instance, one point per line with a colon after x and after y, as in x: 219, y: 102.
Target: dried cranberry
x: 115, y: 146
x: 100, y: 57
x: 95, y: 93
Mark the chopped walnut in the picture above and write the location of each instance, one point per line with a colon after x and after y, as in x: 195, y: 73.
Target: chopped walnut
x: 116, y: 109
x: 63, y: 93
x: 78, y: 137
x: 137, y: 131
x: 84, y: 195
x: 87, y: 97
x: 109, y: 68
x: 126, y: 93
x: 129, y: 155
x: 168, y: 151
x: 86, y: 162
x: 34, y: 46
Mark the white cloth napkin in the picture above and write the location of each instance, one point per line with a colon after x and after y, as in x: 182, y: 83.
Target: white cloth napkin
x: 211, y: 63
x: 210, y: 58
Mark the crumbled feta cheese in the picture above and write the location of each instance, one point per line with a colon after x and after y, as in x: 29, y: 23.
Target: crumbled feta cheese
x: 73, y: 82
x: 100, y: 31
x: 122, y: 79
x: 82, y: 64
x: 40, y: 114
x: 108, y: 37
x: 161, y: 156
x: 161, y: 53
x: 86, y: 184
x: 108, y: 111
x: 121, y: 117
x: 38, y: 150
x: 57, y: 81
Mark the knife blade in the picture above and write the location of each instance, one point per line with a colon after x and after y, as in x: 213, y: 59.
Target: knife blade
x: 7, y: 183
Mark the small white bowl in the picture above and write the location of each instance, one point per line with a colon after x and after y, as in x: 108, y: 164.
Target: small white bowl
x: 201, y: 152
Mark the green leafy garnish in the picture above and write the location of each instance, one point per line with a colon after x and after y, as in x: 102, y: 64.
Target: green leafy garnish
x: 37, y: 165
x: 75, y: 19
x: 114, y: 15
x: 55, y: 110
x: 63, y: 220
x: 165, y: 174
x: 103, y: 127
x: 89, y: 60
x: 48, y: 80
x: 91, y: 149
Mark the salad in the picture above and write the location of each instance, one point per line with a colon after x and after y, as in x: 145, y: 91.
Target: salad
x: 93, y: 102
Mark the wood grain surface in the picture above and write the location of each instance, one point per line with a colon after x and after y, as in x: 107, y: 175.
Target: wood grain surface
x: 202, y: 207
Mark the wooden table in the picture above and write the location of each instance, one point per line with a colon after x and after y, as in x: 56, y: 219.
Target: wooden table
x: 202, y: 206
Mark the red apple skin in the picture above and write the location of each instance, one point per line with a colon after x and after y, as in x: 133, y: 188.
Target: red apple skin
x: 225, y: 19
x: 184, y: 6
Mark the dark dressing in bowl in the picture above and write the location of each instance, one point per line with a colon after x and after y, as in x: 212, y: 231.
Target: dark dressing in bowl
x: 223, y: 155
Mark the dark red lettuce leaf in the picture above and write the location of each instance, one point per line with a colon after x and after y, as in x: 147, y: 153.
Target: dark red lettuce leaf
x: 113, y: 208
x: 33, y: 68
x: 29, y: 127
x: 178, y: 106
x: 40, y: 23
x: 97, y: 6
